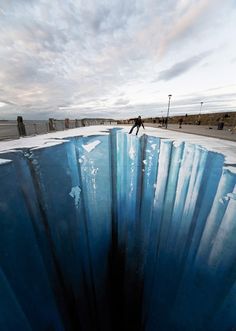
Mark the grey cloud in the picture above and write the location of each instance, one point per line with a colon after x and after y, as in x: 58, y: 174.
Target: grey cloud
x: 181, y: 67
x: 7, y: 102
x: 77, y: 52
x: 207, y: 97
x: 121, y: 102
x: 189, y: 21
x: 63, y: 49
x: 185, y: 105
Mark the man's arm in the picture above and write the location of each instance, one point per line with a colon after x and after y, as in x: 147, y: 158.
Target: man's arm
x: 143, y: 125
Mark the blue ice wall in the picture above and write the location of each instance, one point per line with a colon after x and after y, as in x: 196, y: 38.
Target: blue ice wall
x: 116, y: 232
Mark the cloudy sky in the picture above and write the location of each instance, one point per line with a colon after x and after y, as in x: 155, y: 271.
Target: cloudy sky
x: 116, y: 58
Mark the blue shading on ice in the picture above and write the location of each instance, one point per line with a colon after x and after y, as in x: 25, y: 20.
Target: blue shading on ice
x: 116, y: 232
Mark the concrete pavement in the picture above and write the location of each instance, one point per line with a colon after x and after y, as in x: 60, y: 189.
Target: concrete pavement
x: 202, y: 130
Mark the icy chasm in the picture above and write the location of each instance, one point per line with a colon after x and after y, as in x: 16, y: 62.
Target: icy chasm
x: 115, y: 232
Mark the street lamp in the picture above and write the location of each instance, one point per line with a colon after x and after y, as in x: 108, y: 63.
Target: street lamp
x: 201, y: 108
x: 199, y: 116
x: 168, y: 110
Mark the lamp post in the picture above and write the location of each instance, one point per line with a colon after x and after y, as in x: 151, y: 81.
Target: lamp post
x: 168, y: 110
x: 199, y: 116
x: 201, y: 108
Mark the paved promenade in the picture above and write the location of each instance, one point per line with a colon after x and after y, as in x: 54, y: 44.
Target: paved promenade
x: 202, y: 130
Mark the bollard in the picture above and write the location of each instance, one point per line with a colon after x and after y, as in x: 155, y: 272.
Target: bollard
x: 35, y: 128
x: 51, y: 124
x: 220, y: 126
x: 21, y: 126
x: 67, y: 123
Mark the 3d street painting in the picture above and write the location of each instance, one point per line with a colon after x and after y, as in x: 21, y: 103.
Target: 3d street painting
x: 115, y: 232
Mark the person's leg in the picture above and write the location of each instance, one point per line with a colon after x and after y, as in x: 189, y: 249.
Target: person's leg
x: 132, y: 128
x: 137, y: 129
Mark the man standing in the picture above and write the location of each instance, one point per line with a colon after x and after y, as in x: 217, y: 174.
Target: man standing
x: 137, y: 123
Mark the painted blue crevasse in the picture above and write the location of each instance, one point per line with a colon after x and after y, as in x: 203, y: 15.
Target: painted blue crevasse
x: 116, y: 232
